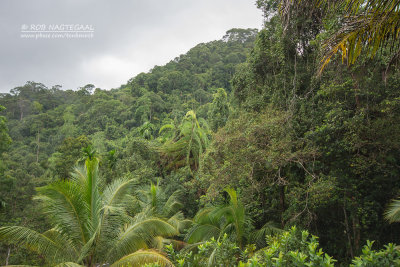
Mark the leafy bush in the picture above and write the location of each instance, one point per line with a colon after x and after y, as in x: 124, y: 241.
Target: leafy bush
x: 291, y: 248
x: 210, y: 253
x: 390, y: 256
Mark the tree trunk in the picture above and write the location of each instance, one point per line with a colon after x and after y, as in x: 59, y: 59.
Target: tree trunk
x: 38, y: 146
x: 282, y: 202
x: 346, y: 224
x: 356, y: 232
x: 21, y: 113
x: 8, y: 255
x: 384, y: 76
x: 356, y: 91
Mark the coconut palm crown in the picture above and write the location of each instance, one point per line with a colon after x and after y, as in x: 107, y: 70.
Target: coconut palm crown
x: 91, y: 224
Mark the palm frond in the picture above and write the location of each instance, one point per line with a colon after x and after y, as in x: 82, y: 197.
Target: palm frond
x: 367, y: 26
x: 68, y: 264
x: 206, y: 225
x: 142, y: 257
x: 66, y: 209
x: 211, y: 259
x: 202, y: 232
x: 363, y: 32
x: 154, y: 195
x: 172, y: 205
x: 37, y: 242
x: 78, y: 175
x: 139, y: 234
x: 392, y: 213
x: 179, y: 222
x: 57, y: 237
x: 115, y: 198
x: 92, y: 194
x: 91, y: 223
x: 166, y: 127
x: 118, y: 192
x: 234, y: 220
x: 21, y: 266
x: 269, y: 228
x: 188, y: 145
x: 218, y: 220
x: 151, y: 198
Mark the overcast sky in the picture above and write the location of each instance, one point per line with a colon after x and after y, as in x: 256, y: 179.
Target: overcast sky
x: 129, y: 37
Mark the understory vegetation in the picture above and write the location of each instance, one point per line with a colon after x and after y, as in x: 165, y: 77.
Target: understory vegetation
x: 278, y: 147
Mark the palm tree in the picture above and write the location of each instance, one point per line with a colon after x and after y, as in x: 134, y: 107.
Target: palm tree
x: 231, y: 219
x: 146, y: 130
x: 153, y: 201
x: 367, y: 25
x: 91, y: 224
x: 189, y: 142
x: 219, y: 220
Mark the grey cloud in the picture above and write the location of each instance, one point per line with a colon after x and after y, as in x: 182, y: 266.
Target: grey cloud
x: 129, y: 37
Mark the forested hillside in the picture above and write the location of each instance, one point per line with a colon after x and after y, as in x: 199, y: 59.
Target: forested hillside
x: 49, y: 127
x: 238, y: 153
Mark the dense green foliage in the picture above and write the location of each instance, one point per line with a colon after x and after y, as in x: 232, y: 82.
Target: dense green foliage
x: 291, y: 248
x: 50, y: 127
x: 91, y: 223
x: 240, y: 145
